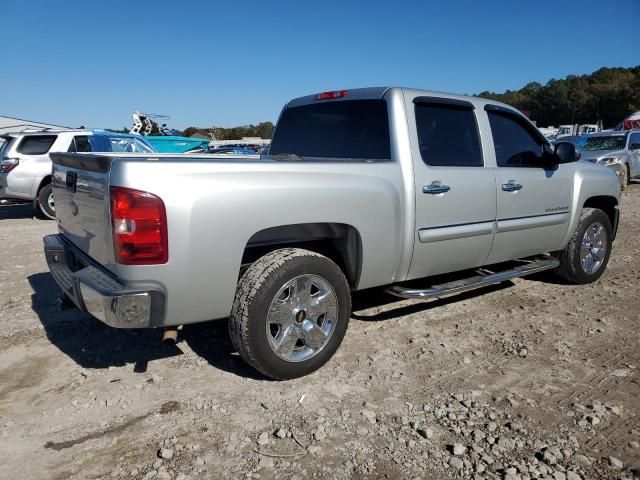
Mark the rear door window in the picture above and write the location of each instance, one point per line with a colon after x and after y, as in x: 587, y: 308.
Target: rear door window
x: 36, y: 144
x: 352, y: 130
x: 448, y: 135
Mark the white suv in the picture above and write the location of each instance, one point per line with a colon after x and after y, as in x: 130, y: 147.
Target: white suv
x: 25, y: 167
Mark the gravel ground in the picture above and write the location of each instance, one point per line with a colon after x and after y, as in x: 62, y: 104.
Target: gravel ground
x: 529, y: 379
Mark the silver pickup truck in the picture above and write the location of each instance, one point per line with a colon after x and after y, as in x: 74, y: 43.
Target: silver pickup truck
x: 361, y: 188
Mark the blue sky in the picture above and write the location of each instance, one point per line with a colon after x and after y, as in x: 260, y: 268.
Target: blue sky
x: 209, y: 63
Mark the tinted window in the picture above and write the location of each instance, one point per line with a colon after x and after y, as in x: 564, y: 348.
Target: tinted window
x: 36, y: 145
x: 354, y: 129
x: 515, y: 145
x: 448, y: 135
x: 80, y: 144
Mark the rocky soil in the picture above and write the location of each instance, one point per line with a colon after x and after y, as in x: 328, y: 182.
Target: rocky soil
x: 530, y: 379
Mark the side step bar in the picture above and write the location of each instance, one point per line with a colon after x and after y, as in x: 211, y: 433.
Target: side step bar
x: 531, y: 266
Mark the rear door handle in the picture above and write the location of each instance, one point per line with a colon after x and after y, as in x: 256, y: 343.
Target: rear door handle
x: 511, y: 187
x: 435, y: 189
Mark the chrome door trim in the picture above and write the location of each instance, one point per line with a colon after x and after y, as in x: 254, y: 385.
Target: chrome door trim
x: 535, y: 221
x: 450, y: 232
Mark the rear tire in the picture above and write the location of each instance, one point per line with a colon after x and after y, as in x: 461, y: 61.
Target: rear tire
x: 44, y: 203
x: 585, y: 258
x: 290, y: 313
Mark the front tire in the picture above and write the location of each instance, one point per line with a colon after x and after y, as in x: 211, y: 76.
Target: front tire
x: 44, y: 203
x: 585, y: 258
x: 624, y: 177
x: 290, y: 313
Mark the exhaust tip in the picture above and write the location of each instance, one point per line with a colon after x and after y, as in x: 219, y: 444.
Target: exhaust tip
x: 170, y: 336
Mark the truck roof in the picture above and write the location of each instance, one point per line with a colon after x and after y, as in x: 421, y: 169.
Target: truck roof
x: 370, y: 93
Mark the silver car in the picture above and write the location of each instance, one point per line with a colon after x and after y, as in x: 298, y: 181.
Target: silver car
x: 617, y: 150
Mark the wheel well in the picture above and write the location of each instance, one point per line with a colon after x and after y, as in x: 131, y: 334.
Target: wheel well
x: 606, y: 204
x: 45, y: 181
x: 338, y: 241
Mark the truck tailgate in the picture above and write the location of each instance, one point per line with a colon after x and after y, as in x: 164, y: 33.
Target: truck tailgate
x: 81, y: 194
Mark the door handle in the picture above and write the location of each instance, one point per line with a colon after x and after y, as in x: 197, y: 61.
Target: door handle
x: 511, y: 186
x: 435, y: 189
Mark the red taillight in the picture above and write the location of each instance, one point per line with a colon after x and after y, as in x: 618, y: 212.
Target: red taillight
x: 8, y: 164
x: 139, y: 224
x: 330, y: 95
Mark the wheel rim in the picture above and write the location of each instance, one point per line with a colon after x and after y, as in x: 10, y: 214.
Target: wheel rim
x: 302, y: 318
x: 593, y: 248
x: 50, y: 202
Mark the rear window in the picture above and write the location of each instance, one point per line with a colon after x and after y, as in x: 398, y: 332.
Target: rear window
x: 36, y: 145
x: 354, y: 129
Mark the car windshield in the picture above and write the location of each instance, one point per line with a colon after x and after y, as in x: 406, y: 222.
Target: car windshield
x: 604, y: 143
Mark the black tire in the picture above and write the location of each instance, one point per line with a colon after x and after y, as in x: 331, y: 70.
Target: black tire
x: 42, y: 203
x: 256, y: 290
x: 570, y: 268
x: 624, y: 177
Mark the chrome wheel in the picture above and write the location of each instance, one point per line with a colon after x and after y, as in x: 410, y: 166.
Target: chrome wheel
x: 301, y: 318
x: 50, y: 202
x: 594, y: 248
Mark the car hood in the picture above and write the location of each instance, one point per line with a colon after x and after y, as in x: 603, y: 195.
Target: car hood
x: 595, y: 155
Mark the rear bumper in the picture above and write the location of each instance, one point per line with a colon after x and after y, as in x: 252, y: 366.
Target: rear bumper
x: 96, y: 292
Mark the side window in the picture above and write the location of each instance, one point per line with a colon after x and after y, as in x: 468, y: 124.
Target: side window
x: 36, y: 144
x: 634, y: 141
x: 515, y: 145
x: 448, y: 135
x: 80, y: 144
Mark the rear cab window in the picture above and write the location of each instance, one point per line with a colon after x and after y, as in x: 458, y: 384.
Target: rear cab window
x: 36, y: 144
x: 348, y: 130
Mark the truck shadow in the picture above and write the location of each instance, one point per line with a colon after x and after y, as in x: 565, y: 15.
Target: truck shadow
x: 15, y: 211
x: 94, y: 345
x: 86, y: 340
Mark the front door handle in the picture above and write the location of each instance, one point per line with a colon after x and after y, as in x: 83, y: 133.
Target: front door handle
x: 511, y: 187
x: 435, y: 189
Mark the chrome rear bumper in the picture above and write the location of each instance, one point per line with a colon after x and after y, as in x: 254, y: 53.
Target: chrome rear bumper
x: 96, y: 292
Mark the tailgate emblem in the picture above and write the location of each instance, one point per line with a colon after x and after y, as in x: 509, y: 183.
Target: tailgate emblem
x: 72, y: 179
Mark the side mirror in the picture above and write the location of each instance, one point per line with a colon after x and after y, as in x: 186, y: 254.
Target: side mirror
x: 566, y: 152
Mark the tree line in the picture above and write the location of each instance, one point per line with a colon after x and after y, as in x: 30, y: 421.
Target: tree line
x: 262, y: 130
x: 608, y: 95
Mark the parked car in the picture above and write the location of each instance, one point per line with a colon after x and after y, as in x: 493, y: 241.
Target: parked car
x: 362, y: 188
x: 232, y: 150
x: 25, y: 167
x: 618, y: 150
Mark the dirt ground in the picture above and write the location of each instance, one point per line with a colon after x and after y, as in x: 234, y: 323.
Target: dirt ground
x: 529, y: 379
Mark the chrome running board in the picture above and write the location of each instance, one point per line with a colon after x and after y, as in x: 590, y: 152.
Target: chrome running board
x: 483, y: 279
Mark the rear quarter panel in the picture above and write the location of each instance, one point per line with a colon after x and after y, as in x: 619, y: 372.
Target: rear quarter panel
x: 214, y: 208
